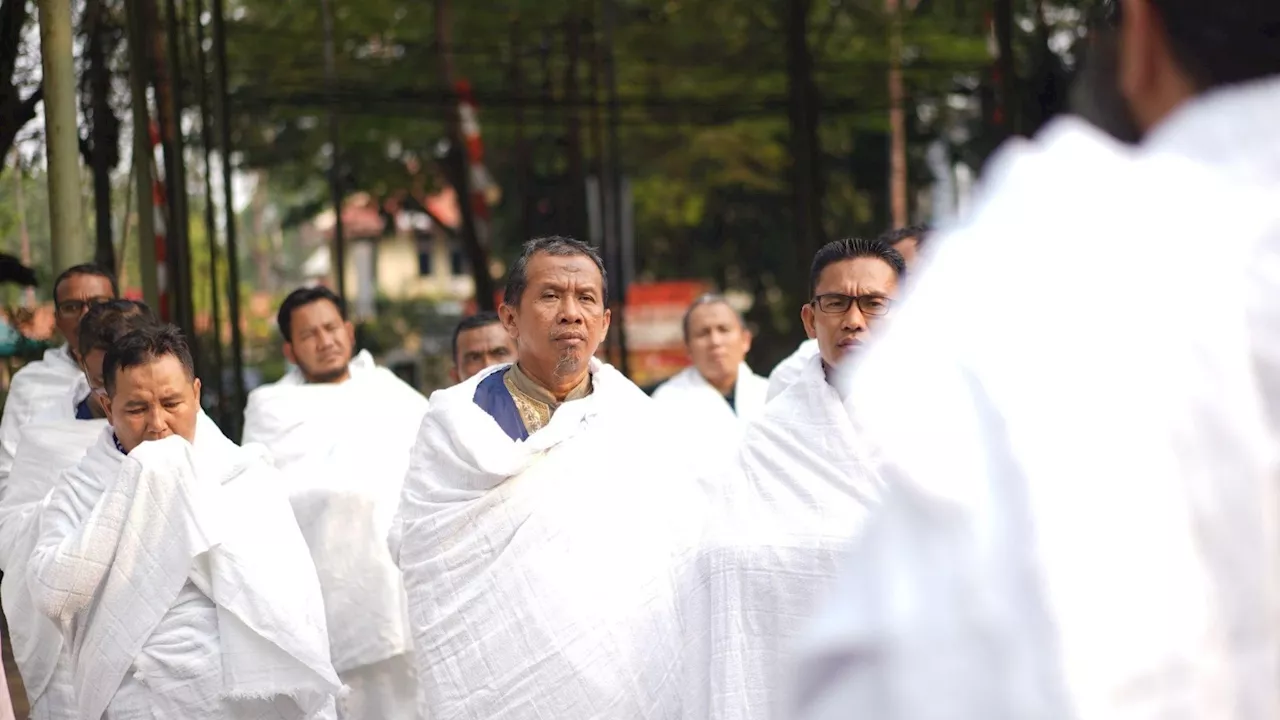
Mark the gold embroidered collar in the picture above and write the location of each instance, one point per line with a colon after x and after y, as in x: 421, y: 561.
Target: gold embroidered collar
x: 535, y: 403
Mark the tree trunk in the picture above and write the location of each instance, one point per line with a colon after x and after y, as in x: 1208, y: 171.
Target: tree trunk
x: 1006, y: 70
x: 458, y: 168
x: 897, y: 120
x: 807, y: 181
x: 100, y: 88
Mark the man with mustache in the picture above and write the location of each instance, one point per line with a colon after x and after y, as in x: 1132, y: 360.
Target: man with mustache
x: 1085, y: 528
x: 341, y: 429
x: 543, y: 518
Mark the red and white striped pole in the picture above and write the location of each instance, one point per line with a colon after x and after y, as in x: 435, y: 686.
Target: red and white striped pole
x: 480, y: 179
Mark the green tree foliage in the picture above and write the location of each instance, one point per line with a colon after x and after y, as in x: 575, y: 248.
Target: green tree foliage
x: 704, y: 128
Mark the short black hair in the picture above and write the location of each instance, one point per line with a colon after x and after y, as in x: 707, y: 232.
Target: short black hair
x: 1222, y: 42
x: 109, y: 321
x: 708, y: 299
x: 897, y: 235
x: 300, y: 298
x: 557, y: 245
x: 142, y: 346
x: 481, y: 319
x: 87, y: 269
x: 850, y: 248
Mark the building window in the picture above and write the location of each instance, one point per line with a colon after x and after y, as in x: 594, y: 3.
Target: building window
x: 426, y: 258
x: 457, y: 259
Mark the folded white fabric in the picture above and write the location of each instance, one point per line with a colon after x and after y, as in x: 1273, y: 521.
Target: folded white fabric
x: 121, y: 537
x: 544, y: 575
x: 344, y: 450
x: 712, y: 428
x: 44, y: 452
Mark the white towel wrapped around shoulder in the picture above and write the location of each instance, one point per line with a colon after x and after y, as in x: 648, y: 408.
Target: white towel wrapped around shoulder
x: 544, y: 575
x: 344, y: 450
x: 115, y: 570
x: 44, y: 452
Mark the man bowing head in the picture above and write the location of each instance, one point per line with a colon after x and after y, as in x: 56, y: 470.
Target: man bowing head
x: 540, y: 529
x: 173, y: 564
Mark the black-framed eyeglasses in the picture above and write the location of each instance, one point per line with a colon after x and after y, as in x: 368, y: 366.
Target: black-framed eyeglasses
x: 75, y: 308
x: 839, y: 304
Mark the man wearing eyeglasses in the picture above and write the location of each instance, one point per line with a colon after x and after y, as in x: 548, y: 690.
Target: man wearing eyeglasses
x: 803, y: 488
x: 42, y: 384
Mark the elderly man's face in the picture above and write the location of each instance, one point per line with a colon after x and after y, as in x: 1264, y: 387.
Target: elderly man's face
x: 561, y: 318
x: 481, y: 347
x: 717, y: 343
x: 320, y: 342
x: 72, y: 299
x: 153, y: 401
x: 850, y: 298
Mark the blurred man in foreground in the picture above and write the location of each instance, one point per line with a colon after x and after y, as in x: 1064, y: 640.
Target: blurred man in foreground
x: 48, y: 382
x: 52, y: 443
x: 480, y: 341
x: 174, y: 565
x: 718, y: 395
x: 541, y: 524
x: 1086, y: 529
x: 341, y: 430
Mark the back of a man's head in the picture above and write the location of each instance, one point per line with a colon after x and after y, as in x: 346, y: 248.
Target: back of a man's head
x: 1221, y: 42
x: 107, y: 322
x: 1147, y: 57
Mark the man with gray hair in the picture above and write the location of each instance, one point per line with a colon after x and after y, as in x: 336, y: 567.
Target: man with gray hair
x: 540, y: 521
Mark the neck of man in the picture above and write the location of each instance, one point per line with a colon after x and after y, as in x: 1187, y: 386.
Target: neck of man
x: 725, y: 383
x: 557, y: 386
x: 338, y: 379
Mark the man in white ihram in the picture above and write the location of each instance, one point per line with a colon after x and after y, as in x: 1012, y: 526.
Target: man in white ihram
x: 48, y: 382
x: 541, y: 526
x: 173, y: 563
x: 908, y: 241
x: 715, y: 398
x: 49, y: 445
x: 1086, y: 529
x: 341, y: 430
x: 794, y: 500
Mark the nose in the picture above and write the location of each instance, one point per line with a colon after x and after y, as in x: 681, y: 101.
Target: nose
x: 570, y: 311
x: 854, y: 321
x: 156, y: 421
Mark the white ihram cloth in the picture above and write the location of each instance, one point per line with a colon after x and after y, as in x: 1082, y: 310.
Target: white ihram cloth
x: 65, y: 409
x: 1075, y: 528
x: 344, y: 449
x: 34, y: 387
x: 44, y: 452
x: 775, y: 543
x: 543, y: 575
x: 362, y: 362
x: 789, y: 370
x: 182, y: 584
x: 706, y: 419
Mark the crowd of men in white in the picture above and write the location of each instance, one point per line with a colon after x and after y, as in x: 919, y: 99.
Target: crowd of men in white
x: 1033, y: 478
